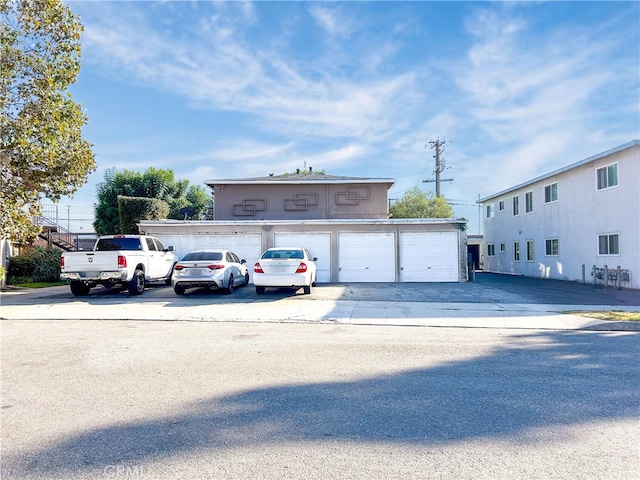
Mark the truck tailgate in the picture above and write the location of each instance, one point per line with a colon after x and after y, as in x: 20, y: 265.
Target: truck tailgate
x: 90, y: 261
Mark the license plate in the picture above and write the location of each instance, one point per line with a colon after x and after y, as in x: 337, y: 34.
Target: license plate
x: 195, y: 272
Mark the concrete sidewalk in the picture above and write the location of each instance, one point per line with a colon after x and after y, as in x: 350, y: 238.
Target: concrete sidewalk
x: 48, y: 305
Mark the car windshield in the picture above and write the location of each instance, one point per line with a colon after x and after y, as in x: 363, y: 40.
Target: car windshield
x: 202, y: 256
x: 283, y: 254
x: 111, y: 244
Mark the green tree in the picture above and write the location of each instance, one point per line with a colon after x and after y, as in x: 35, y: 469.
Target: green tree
x: 417, y: 204
x: 153, y: 183
x: 42, y: 151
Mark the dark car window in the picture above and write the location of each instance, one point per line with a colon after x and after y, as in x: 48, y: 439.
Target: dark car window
x: 150, y: 245
x: 161, y: 247
x: 193, y: 256
x: 111, y: 244
x: 283, y: 254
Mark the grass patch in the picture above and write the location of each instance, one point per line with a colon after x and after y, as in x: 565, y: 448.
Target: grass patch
x: 611, y: 315
x: 41, y: 284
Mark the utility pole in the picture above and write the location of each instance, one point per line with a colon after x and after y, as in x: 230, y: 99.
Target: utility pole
x: 438, y: 145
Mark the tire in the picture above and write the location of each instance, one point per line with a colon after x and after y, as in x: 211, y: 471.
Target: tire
x: 306, y: 289
x: 167, y: 281
x: 246, y: 279
x: 260, y: 290
x: 79, y: 289
x: 136, y: 284
x: 229, y: 289
x: 179, y: 289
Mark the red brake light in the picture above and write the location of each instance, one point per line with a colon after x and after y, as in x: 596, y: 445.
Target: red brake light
x: 61, y: 262
x: 215, y: 267
x: 178, y: 267
x: 302, y: 268
x: 122, y: 261
x: 257, y: 268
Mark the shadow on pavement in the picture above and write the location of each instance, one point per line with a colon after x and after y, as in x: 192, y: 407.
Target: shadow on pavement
x: 508, y: 394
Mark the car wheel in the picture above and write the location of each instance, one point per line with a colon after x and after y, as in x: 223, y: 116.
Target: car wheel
x: 313, y: 284
x: 306, y: 289
x: 259, y: 290
x: 230, y: 286
x: 179, y: 289
x: 79, y: 289
x: 246, y: 279
x: 136, y: 284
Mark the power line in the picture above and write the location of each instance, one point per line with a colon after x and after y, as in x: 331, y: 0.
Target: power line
x: 438, y: 145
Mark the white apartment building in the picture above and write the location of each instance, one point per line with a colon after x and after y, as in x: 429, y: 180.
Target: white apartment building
x: 570, y: 224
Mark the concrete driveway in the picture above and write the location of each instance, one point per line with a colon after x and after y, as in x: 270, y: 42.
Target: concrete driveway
x: 491, y: 301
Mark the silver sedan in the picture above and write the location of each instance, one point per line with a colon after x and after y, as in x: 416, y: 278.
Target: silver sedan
x: 215, y: 269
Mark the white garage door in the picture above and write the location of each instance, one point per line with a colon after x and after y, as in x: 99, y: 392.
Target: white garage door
x: 429, y: 257
x: 247, y: 247
x: 367, y: 257
x: 319, y: 246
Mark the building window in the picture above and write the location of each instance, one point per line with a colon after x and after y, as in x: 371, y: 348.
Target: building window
x: 530, y: 255
x: 607, y: 176
x: 551, y: 193
x: 516, y: 205
x: 491, y: 250
x: 490, y: 210
x: 501, y: 205
x: 516, y: 251
x: 552, y: 247
x: 528, y: 202
x: 503, y: 247
x: 609, y: 244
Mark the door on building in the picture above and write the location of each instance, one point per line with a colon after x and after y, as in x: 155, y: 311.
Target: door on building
x: 319, y: 246
x: 367, y: 257
x: 429, y: 257
x: 246, y: 246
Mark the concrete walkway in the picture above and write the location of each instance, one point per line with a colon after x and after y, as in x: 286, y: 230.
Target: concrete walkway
x: 57, y: 304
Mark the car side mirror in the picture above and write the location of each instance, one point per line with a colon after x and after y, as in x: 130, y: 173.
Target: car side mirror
x: 243, y: 261
x: 315, y: 259
x: 170, y: 248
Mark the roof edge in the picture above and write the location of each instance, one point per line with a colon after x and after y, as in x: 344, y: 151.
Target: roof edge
x: 598, y: 156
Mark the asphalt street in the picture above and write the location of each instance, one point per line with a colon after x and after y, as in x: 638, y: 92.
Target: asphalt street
x: 193, y: 396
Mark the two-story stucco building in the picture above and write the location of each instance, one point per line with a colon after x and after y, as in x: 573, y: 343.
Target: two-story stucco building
x: 342, y: 221
x: 306, y: 196
x: 570, y: 222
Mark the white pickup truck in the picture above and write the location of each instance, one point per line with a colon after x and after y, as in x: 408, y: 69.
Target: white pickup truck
x: 128, y: 260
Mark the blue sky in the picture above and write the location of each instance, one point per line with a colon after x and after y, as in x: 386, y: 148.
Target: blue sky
x: 242, y: 89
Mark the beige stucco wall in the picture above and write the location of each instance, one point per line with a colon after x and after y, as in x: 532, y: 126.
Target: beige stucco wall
x: 268, y: 230
x: 300, y: 201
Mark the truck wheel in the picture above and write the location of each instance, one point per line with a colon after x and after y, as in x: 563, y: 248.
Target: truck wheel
x: 79, y: 289
x: 167, y: 281
x: 136, y: 284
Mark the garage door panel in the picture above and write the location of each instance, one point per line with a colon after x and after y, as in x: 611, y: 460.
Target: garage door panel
x: 429, y: 257
x: 319, y: 246
x: 367, y: 257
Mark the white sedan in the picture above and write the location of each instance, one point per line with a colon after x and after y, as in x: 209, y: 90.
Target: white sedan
x: 209, y: 268
x: 285, y: 267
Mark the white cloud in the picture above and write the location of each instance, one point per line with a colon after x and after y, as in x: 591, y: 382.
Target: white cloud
x: 333, y: 20
x: 216, y: 68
